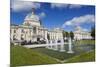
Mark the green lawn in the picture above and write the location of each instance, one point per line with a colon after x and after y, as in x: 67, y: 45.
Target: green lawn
x: 84, y: 57
x: 82, y: 42
x: 23, y: 56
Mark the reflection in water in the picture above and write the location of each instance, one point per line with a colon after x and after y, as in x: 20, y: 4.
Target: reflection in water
x: 81, y: 48
x: 87, y: 47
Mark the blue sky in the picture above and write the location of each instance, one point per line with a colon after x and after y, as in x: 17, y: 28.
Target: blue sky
x: 66, y: 16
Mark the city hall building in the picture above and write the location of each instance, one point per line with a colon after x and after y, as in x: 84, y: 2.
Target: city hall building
x: 80, y: 34
x: 32, y: 30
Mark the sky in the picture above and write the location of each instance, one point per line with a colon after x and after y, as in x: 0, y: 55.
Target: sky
x: 52, y: 15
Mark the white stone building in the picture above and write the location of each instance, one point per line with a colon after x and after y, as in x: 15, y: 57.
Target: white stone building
x: 32, y: 30
x: 80, y: 34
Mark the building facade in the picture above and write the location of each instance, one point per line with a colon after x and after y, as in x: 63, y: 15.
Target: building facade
x: 80, y: 34
x: 32, y: 30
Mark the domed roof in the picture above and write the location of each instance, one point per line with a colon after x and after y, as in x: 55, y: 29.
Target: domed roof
x: 32, y: 16
x: 32, y: 19
x: 78, y: 28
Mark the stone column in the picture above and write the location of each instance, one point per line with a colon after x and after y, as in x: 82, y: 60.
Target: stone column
x: 37, y: 30
x: 45, y: 34
x: 19, y: 34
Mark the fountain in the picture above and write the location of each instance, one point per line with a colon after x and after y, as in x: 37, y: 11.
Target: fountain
x: 51, y: 46
x: 47, y: 42
x: 62, y: 46
x: 55, y: 46
x: 70, y: 46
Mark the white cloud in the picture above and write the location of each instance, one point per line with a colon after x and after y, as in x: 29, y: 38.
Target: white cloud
x: 85, y: 29
x: 22, y: 5
x: 42, y: 15
x: 53, y: 5
x: 80, y: 20
x: 82, y: 29
x: 75, y: 6
x: 70, y: 6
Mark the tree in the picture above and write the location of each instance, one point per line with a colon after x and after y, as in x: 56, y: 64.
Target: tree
x: 93, y: 32
x: 72, y: 35
x: 48, y: 36
x: 65, y: 34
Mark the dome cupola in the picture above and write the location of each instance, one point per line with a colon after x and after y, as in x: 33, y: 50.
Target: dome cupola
x: 32, y: 19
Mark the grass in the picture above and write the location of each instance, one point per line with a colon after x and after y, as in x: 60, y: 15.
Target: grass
x: 82, y: 42
x: 84, y: 57
x: 21, y: 56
